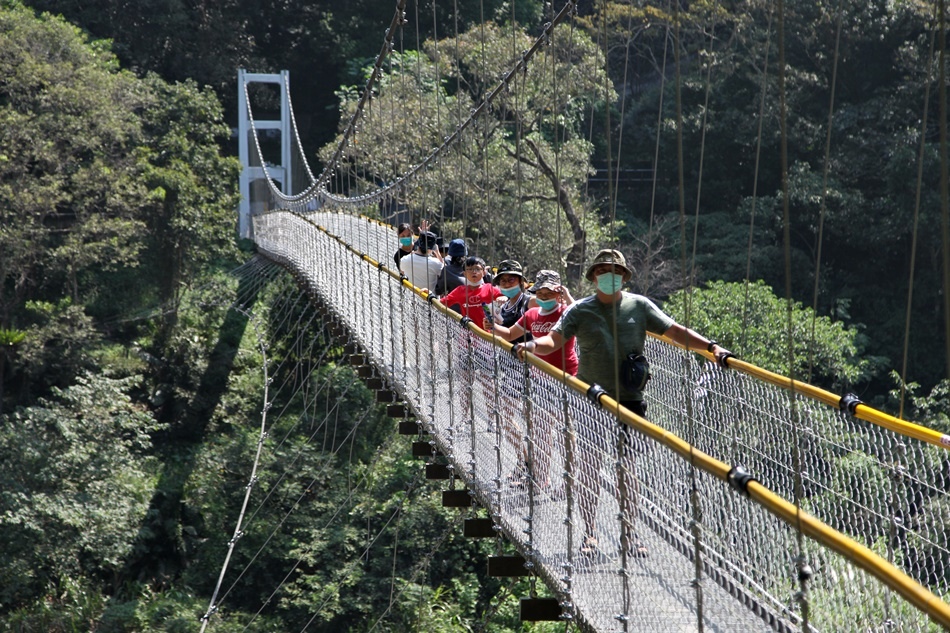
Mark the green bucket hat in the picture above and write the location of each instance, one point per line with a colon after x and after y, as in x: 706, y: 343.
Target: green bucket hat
x: 508, y: 267
x: 609, y: 256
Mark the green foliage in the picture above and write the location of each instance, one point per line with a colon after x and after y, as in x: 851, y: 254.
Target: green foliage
x: 119, y: 361
x: 931, y: 410
x: 862, y: 212
x: 192, y: 190
x: 425, y: 608
x: 838, y: 606
x: 859, y: 483
x: 337, y: 501
x: 168, y: 611
x: 927, y: 543
x: 69, y: 191
x: 75, y: 604
x: 208, y: 345
x: 525, y: 160
x: 10, y: 338
x: 57, y: 346
x: 752, y: 322
x: 101, y: 172
x: 76, y: 484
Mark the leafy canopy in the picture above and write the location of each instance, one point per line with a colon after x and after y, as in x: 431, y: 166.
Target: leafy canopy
x: 76, y: 483
x: 751, y: 321
x: 526, y: 159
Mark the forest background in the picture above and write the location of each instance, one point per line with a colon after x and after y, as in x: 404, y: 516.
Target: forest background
x: 129, y: 399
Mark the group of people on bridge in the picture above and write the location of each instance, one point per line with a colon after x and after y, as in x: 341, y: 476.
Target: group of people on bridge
x: 599, y: 338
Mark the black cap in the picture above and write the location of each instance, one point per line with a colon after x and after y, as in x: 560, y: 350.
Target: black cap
x: 427, y: 241
x: 509, y: 267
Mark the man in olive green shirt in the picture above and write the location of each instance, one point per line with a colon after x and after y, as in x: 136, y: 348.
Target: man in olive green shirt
x: 610, y: 325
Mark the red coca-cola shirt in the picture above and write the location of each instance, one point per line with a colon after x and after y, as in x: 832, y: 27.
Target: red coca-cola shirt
x: 540, y: 325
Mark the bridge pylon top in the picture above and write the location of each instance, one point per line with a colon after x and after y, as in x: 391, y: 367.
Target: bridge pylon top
x: 254, y: 190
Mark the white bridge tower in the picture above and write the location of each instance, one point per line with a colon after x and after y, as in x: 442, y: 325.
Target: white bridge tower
x: 254, y: 189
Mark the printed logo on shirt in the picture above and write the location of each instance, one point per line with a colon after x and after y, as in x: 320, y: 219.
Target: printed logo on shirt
x: 542, y: 328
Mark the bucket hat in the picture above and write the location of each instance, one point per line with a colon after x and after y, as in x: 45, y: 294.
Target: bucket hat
x: 609, y: 256
x: 546, y: 279
x: 457, y: 248
x: 508, y: 267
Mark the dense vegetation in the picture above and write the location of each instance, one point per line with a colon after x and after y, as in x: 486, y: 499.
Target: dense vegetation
x: 130, y: 398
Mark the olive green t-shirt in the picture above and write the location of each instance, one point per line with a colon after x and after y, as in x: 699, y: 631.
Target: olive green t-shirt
x: 592, y: 322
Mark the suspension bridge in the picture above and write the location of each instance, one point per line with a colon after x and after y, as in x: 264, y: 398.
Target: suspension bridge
x: 765, y: 503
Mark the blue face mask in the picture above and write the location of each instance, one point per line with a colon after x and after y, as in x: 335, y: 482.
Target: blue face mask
x: 512, y: 292
x: 609, y: 283
x: 546, y: 305
x: 405, y: 241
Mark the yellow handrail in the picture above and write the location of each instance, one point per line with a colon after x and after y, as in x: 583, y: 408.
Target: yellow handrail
x: 915, y: 593
x: 861, y: 410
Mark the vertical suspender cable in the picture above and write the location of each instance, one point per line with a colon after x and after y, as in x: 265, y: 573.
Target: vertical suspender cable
x: 792, y: 392
x: 679, y: 134
x: 691, y: 277
x: 579, y: 254
x: 558, y: 246
x: 483, y: 149
x: 687, y: 365
x: 623, y: 105
x: 824, y: 193
x: 624, y: 498
x: 944, y: 186
x: 590, y: 138
x: 608, y: 127
x: 459, y: 153
x: 681, y: 194
x: 398, y: 194
x: 421, y: 123
x: 755, y: 183
x: 656, y: 160
x: 437, y: 93
x: 913, y: 245
x: 520, y: 102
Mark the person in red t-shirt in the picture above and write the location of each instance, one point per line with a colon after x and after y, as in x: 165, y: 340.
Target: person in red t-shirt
x: 474, y: 294
x: 553, y: 300
x: 469, y: 300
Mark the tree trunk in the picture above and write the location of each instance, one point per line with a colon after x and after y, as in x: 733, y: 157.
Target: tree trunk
x: 575, y: 256
x: 3, y: 362
x: 169, y: 272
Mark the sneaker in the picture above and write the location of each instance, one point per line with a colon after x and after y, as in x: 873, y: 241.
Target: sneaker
x: 517, y: 479
x: 589, y: 546
x: 639, y: 550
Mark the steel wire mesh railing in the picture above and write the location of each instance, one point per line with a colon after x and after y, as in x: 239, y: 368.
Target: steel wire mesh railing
x: 485, y: 409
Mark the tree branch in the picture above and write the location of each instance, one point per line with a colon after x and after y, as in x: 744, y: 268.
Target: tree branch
x: 576, y: 255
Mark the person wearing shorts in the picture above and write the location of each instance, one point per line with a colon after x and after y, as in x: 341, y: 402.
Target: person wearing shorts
x: 609, y: 326
x: 553, y: 300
